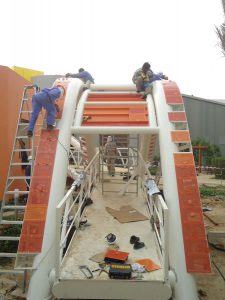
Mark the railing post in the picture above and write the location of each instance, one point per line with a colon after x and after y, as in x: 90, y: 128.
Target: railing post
x: 58, y: 242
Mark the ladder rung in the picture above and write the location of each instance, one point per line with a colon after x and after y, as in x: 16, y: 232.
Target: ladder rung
x: 13, y: 271
x: 20, y: 164
x: 19, y: 177
x: 8, y: 254
x: 9, y: 238
x: 22, y: 137
x: 22, y: 150
x: 18, y: 192
x: 26, y: 111
x: 21, y: 124
x: 10, y: 222
x: 14, y: 207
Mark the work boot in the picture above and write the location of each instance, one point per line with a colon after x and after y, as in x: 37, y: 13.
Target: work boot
x: 144, y: 96
x: 29, y: 133
x: 50, y: 127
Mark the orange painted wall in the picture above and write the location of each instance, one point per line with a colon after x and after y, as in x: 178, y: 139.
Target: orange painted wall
x: 11, y: 89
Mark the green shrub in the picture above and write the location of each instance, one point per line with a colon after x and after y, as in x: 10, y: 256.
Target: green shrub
x: 10, y: 246
x: 209, y: 191
x: 212, y: 151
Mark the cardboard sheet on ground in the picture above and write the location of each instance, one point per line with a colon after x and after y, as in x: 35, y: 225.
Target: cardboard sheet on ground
x: 149, y: 264
x: 126, y: 214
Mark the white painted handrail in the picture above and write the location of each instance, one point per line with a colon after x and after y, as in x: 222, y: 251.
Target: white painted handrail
x: 159, y: 216
x: 65, y: 210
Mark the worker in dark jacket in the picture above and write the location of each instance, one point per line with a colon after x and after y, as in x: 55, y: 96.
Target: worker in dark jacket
x: 46, y: 98
x: 83, y: 75
x: 110, y: 152
x: 144, y: 77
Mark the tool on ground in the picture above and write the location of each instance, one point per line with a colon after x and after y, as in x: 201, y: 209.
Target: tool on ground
x: 116, y: 256
x: 120, y: 271
x: 111, y: 238
x: 86, y: 271
x: 102, y: 268
x: 210, y: 219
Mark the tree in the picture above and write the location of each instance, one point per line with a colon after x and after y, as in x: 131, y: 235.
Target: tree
x: 209, y: 153
x: 220, y: 31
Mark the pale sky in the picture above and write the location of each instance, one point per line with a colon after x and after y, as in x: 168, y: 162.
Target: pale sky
x: 112, y: 38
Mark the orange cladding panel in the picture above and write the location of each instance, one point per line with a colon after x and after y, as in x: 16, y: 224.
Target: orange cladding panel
x: 180, y: 136
x: 11, y: 90
x: 172, y: 93
x: 116, y: 115
x: 195, y: 242
x: 37, y: 203
x: 177, y: 116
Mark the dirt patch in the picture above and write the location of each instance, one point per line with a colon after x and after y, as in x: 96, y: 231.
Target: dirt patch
x: 212, y: 286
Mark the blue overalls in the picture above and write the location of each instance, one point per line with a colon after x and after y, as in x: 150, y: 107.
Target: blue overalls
x: 45, y: 98
x: 147, y: 84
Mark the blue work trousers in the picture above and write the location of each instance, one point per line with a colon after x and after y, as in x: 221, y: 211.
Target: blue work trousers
x: 37, y: 104
x: 148, y: 84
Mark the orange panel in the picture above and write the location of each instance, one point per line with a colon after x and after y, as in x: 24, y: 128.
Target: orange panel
x: 43, y: 164
x: 39, y: 189
x: 49, y: 141
x: 115, y: 97
x: 35, y: 212
x: 177, y: 116
x: 198, y: 262
x: 172, y: 93
x: 114, y: 115
x: 193, y: 232
x: 37, y: 203
x: 31, y: 237
x: 191, y: 215
x: 184, y: 159
x: 11, y: 91
x: 180, y: 136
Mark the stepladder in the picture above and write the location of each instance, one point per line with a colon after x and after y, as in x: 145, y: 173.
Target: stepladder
x: 17, y: 185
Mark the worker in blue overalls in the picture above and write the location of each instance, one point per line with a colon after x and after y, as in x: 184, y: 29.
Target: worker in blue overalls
x: 46, y: 98
x: 85, y: 76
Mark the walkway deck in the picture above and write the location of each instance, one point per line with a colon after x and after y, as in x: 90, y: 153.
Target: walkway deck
x: 91, y: 240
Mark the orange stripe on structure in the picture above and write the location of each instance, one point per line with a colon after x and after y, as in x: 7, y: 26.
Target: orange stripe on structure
x: 180, y: 136
x: 115, y: 97
x: 114, y: 115
x: 37, y: 203
x: 195, y: 242
x: 172, y: 93
x: 177, y: 116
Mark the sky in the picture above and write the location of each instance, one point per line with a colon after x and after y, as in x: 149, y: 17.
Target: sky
x: 113, y: 38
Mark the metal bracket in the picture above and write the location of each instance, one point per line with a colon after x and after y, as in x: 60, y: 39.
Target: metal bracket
x: 86, y: 271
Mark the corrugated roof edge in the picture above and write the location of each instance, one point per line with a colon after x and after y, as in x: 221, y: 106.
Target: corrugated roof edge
x: 214, y: 101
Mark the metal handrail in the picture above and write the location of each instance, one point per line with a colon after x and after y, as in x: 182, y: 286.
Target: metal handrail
x: 160, y: 218
x: 65, y: 208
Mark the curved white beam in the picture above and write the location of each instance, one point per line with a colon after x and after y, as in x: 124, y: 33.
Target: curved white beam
x: 39, y: 287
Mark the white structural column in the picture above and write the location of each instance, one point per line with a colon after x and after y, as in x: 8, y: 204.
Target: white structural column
x: 184, y: 287
x: 39, y: 288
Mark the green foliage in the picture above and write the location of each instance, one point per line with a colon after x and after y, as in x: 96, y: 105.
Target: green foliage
x: 153, y: 170
x: 218, y: 162
x: 209, y: 191
x: 212, y: 151
x: 13, y: 230
x: 10, y: 246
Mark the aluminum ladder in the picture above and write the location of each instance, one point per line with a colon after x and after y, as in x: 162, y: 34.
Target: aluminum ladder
x: 13, y: 205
